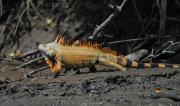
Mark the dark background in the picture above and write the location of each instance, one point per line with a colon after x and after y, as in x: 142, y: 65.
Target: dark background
x: 23, y: 23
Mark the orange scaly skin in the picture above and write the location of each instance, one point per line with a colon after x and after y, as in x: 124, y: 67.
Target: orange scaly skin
x: 85, y: 54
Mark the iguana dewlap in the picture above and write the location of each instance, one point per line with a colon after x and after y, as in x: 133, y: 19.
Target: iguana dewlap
x: 59, y: 55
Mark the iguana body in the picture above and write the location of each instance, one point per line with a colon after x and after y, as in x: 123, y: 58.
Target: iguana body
x: 85, y: 54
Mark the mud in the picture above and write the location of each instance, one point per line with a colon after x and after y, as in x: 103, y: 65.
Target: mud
x: 104, y: 87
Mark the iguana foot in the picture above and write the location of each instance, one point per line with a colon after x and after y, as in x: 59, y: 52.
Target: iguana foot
x: 56, y: 75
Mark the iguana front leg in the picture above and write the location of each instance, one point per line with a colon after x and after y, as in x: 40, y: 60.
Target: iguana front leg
x: 115, y: 65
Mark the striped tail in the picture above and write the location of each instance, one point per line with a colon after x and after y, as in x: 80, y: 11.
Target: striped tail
x: 133, y: 64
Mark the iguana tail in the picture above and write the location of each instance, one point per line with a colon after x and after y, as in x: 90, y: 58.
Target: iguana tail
x: 128, y: 63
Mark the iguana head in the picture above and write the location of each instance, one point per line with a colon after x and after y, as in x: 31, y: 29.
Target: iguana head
x: 52, y: 48
x: 50, y: 51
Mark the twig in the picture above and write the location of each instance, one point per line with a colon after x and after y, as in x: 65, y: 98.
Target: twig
x: 128, y: 40
x: 17, y: 25
x: 105, y: 35
x: 73, y: 73
x: 100, y: 27
x: 2, y: 70
x: 164, y: 49
x: 172, y: 19
x: 178, y: 3
x: 138, y: 39
x: 1, y: 8
x: 137, y: 11
x: 24, y: 55
x: 34, y: 7
x: 162, y: 5
x: 28, y: 6
x: 36, y: 71
x: 25, y: 64
x: 2, y: 32
x: 7, y: 59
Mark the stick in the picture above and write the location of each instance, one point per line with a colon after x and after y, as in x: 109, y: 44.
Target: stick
x: 17, y: 25
x: 25, y: 64
x: 100, y: 27
x: 2, y: 70
x: 24, y: 55
x: 7, y: 59
x: 37, y: 12
x: 167, y: 50
x: 139, y: 39
x: 137, y: 11
x: 1, y: 8
x: 38, y: 70
x: 162, y: 5
x: 128, y: 40
x: 73, y: 73
x: 177, y: 2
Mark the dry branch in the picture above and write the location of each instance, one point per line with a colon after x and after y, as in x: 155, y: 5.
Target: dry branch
x: 35, y: 71
x: 139, y: 39
x: 24, y: 55
x: 100, y: 27
x: 27, y: 63
x: 1, y: 8
x: 162, y: 5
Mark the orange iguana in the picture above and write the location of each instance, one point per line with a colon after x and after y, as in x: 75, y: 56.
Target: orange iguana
x: 85, y: 54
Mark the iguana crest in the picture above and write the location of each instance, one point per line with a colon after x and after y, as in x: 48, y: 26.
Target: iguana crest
x: 84, y: 44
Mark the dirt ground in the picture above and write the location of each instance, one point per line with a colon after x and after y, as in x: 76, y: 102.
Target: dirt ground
x: 105, y: 87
